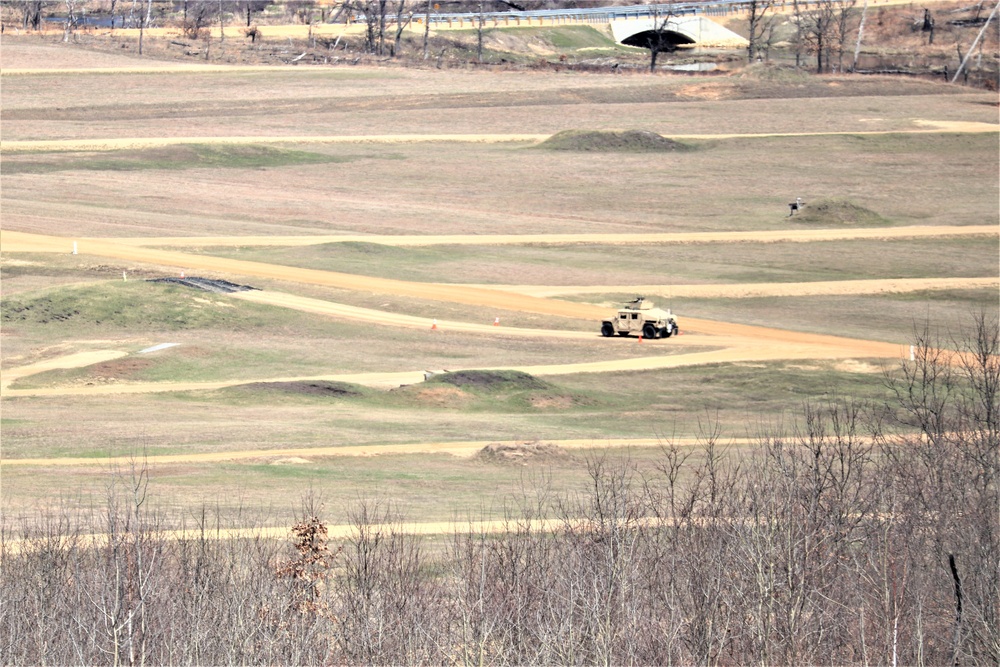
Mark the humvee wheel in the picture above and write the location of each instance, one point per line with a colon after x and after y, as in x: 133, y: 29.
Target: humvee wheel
x: 668, y: 332
x: 607, y: 329
x: 649, y: 331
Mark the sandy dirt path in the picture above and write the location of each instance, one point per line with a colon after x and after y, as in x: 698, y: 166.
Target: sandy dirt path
x: 750, y: 290
x: 667, y: 238
x: 742, y: 353
x: 337, y: 532
x: 482, y: 297
x: 357, y: 313
x: 760, y: 342
x: 77, y: 360
x: 462, y: 449
x: 132, y: 143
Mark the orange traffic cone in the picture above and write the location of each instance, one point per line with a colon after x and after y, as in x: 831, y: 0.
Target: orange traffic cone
x: 496, y: 322
x: 640, y: 338
x: 434, y: 325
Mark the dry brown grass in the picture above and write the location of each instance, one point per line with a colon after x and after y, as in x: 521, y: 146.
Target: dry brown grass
x: 738, y: 184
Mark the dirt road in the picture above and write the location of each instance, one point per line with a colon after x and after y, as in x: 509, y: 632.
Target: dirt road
x: 740, y: 343
x: 483, y: 297
x: 290, y: 456
x: 750, y: 290
x: 133, y: 143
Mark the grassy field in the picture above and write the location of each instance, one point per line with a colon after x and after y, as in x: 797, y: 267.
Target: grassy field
x: 498, y: 189
x: 57, y: 304
x: 688, y: 264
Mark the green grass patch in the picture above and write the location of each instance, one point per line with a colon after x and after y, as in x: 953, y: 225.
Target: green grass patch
x: 188, y: 156
x: 573, y: 38
x: 887, y: 317
x: 599, y: 406
x: 584, y: 264
x: 839, y: 213
x: 482, y: 391
x: 134, y: 306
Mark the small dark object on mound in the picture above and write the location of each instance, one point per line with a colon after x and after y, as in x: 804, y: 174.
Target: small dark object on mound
x: 612, y: 141
x: 334, y: 389
x: 839, y: 212
x: 207, y: 284
x: 495, y: 380
x: 520, y: 452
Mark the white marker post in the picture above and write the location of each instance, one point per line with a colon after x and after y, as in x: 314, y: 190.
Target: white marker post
x: 124, y: 279
x: 74, y: 247
x: 912, y: 355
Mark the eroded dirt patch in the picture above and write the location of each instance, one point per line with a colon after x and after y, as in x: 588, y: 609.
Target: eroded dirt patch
x: 442, y: 397
x: 491, y: 380
x: 521, y: 453
x: 128, y: 369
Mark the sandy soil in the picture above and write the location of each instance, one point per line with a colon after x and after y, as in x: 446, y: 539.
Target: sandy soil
x: 340, y: 531
x: 740, y: 343
x: 77, y: 360
x: 484, y: 297
x: 923, y: 126
x: 745, y: 291
x: 465, y: 449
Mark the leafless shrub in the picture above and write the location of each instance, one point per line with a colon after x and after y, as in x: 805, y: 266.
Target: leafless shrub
x: 865, y: 534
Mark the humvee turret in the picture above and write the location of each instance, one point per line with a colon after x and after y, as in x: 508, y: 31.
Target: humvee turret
x: 639, y: 317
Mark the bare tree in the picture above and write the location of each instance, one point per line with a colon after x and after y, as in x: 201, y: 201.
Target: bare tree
x: 31, y: 16
x: 479, y: 34
x: 760, y: 23
x: 427, y: 27
x: 401, y: 23
x: 658, y: 41
x: 825, y: 30
x: 248, y: 8
x: 861, y: 534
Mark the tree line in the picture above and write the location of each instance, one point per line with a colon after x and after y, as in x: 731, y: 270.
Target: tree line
x: 866, y: 534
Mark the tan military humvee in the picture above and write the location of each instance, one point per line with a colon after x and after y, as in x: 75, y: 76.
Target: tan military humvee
x: 639, y: 317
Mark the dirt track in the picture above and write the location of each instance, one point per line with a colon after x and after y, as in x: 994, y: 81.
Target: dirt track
x: 132, y: 143
x: 465, y: 449
x: 340, y: 531
x: 741, y: 343
x: 750, y: 290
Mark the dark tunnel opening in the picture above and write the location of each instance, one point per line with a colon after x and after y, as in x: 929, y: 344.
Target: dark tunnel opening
x: 662, y: 40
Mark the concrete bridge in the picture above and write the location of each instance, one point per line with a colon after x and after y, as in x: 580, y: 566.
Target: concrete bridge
x: 678, y: 31
x: 632, y: 25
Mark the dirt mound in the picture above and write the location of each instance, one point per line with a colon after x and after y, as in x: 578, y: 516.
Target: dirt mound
x: 611, y: 141
x: 839, y: 212
x: 491, y: 380
x: 128, y: 369
x: 521, y: 452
